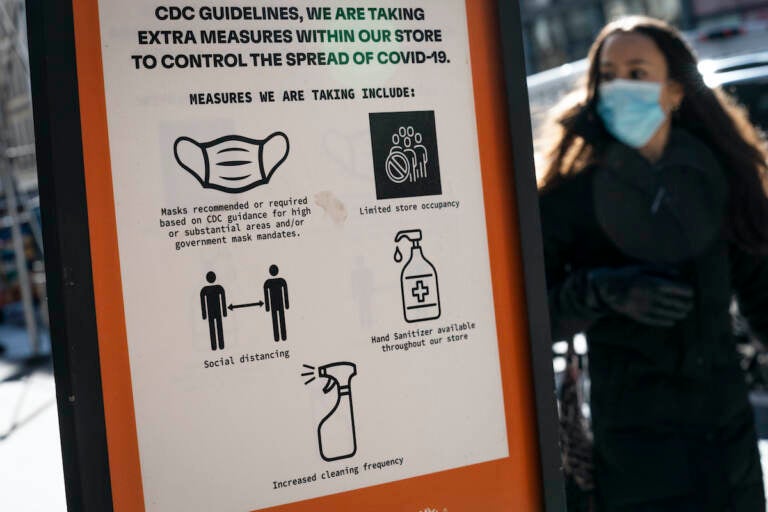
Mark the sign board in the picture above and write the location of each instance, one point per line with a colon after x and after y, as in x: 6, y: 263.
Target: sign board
x: 286, y: 268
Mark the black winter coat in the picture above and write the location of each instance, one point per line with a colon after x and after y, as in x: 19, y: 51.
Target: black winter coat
x: 656, y: 392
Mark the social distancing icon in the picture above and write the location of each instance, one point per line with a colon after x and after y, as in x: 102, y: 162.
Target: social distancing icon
x: 213, y: 303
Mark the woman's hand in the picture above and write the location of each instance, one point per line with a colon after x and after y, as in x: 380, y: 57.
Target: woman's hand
x: 640, y: 293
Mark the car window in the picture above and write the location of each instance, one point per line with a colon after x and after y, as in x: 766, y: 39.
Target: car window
x: 754, y: 96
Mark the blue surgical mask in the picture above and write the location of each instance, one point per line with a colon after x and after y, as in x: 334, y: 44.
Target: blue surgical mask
x: 631, y: 111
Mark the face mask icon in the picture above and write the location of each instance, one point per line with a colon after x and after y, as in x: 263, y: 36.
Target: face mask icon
x: 232, y: 163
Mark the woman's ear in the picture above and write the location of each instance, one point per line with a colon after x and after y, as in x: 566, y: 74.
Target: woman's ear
x: 675, y: 95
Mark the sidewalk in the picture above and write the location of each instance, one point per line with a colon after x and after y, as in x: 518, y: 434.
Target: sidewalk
x: 31, y: 476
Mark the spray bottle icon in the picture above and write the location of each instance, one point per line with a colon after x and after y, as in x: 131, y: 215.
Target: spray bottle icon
x: 418, y: 281
x: 336, y: 435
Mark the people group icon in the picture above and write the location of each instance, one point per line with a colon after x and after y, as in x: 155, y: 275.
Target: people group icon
x: 408, y: 157
x: 213, y: 304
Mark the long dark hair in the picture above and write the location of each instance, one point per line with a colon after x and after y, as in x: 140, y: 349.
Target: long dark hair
x: 709, y: 114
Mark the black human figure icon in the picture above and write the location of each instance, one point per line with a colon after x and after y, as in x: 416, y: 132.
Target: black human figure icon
x: 422, y: 156
x: 412, y: 158
x: 276, y: 301
x: 213, y: 302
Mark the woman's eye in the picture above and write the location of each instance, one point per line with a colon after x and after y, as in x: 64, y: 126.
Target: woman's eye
x: 637, y: 74
x: 606, y: 77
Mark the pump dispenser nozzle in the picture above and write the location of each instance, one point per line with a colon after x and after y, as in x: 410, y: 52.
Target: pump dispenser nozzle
x: 414, y: 235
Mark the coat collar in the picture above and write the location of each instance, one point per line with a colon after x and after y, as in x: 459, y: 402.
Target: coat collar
x: 666, y: 211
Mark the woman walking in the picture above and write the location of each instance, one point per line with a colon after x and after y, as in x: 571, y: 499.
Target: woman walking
x: 654, y: 215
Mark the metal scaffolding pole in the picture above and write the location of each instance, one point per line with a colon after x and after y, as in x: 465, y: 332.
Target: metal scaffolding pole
x: 25, y: 284
x: 9, y: 153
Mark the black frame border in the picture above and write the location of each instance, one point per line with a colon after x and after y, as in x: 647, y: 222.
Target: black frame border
x: 69, y: 279
x: 529, y: 224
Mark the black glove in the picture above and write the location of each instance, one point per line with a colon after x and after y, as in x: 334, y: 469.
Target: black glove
x: 642, y: 294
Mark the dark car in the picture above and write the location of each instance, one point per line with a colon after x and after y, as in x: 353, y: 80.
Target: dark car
x: 746, y: 78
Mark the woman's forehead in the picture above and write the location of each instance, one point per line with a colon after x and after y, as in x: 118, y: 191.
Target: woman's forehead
x: 624, y: 48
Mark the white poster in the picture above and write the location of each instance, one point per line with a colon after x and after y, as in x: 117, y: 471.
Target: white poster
x: 303, y: 247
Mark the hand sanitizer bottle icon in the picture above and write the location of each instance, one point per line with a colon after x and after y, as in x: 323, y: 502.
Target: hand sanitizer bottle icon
x: 418, y: 281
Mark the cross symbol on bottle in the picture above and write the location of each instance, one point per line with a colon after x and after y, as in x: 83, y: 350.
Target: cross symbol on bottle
x: 420, y: 291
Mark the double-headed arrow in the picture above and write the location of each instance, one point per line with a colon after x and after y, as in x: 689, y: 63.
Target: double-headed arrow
x: 232, y: 307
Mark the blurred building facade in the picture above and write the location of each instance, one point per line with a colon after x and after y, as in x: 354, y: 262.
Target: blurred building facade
x: 560, y: 31
x: 21, y: 269
x: 17, y: 137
